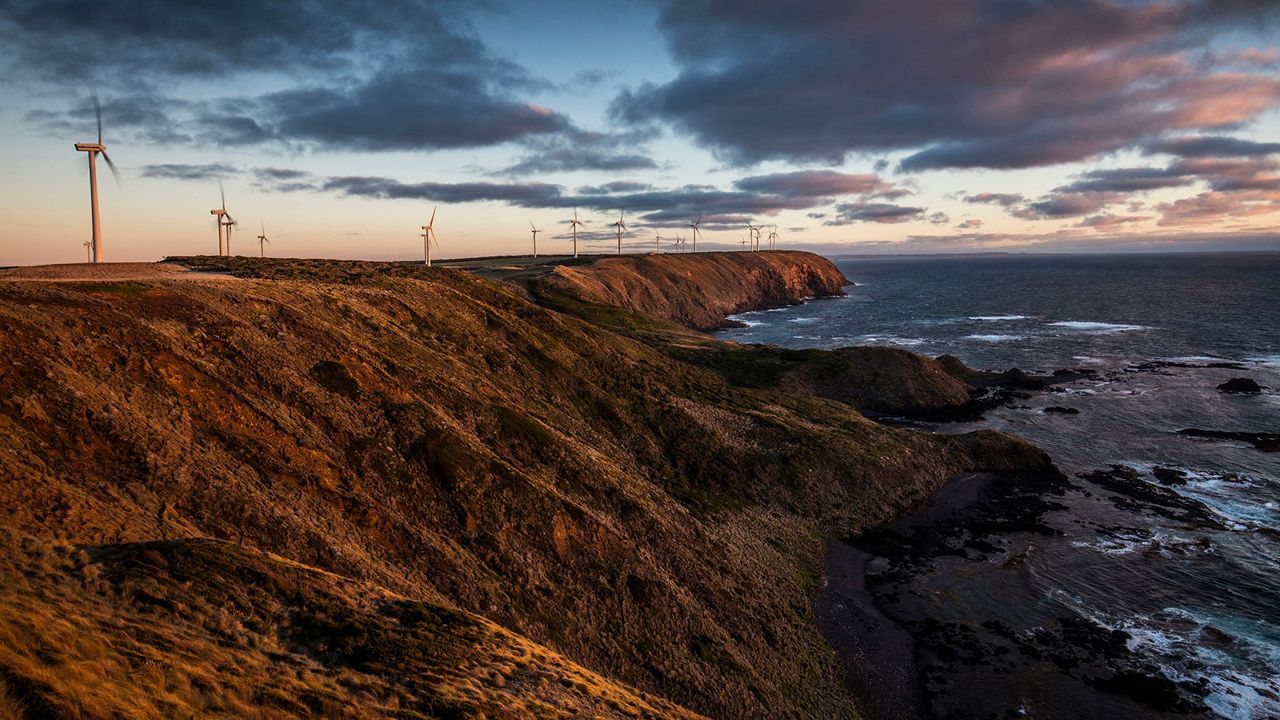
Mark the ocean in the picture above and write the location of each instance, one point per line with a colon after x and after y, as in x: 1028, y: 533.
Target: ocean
x: 1148, y: 584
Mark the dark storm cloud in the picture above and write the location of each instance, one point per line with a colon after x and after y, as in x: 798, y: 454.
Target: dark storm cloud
x: 274, y: 173
x: 378, y: 76
x: 1126, y: 180
x: 966, y: 83
x: 178, y: 171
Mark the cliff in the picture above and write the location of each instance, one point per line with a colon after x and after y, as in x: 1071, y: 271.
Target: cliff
x: 405, y: 466
x: 699, y: 290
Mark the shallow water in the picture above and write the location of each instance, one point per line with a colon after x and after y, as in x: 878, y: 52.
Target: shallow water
x: 1194, y: 593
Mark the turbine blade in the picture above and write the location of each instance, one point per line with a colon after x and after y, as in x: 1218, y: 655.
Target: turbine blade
x: 432, y: 221
x: 97, y: 110
x: 114, y: 172
x: 223, y: 193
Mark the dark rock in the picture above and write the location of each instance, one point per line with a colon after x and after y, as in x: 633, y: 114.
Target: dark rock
x: 1169, y: 476
x: 1060, y: 410
x: 1240, y: 385
x: 1266, y: 442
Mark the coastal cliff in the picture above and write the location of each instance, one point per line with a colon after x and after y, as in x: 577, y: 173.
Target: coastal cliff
x: 700, y: 290
x: 420, y: 491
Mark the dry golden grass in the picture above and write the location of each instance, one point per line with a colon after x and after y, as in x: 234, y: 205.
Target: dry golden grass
x: 437, y: 435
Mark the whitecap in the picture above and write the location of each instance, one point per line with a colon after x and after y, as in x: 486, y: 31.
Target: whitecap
x: 997, y: 318
x: 995, y: 338
x: 891, y: 340
x: 802, y: 319
x: 1097, y: 327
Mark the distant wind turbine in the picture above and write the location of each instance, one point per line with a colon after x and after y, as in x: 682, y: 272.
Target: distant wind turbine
x: 574, y: 223
x: 773, y: 238
x: 755, y: 236
x: 657, y: 241
x: 744, y: 242
x: 535, y: 239
x: 262, y: 252
x: 620, y: 225
x: 221, y: 219
x: 696, y: 231
x: 88, y: 251
x: 429, y: 237
x: 95, y: 149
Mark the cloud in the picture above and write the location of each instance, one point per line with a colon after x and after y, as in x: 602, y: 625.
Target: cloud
x: 821, y: 183
x: 849, y: 213
x: 970, y: 83
x: 1211, y: 146
x: 1107, y: 221
x: 358, y: 75
x: 1002, y: 199
x: 178, y: 171
x: 575, y: 149
x: 970, y: 224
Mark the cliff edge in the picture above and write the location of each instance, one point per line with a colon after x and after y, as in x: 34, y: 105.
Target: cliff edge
x: 700, y: 290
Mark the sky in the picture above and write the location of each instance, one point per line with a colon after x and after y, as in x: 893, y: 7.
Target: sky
x: 850, y: 126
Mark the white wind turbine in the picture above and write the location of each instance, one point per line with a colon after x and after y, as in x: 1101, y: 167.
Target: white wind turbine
x: 262, y: 252
x: 773, y: 238
x: 535, y: 239
x: 657, y: 242
x: 755, y: 236
x: 222, y: 219
x: 696, y: 232
x: 429, y: 237
x: 95, y: 149
x: 620, y: 225
x: 744, y: 242
x: 88, y: 251
x: 574, y: 223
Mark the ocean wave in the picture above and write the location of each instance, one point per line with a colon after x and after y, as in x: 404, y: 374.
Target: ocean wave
x: 995, y: 338
x: 1096, y: 327
x: 1265, y: 360
x: 802, y: 319
x: 891, y: 340
x: 997, y: 318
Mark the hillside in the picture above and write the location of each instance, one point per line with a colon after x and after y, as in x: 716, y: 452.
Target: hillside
x: 424, y: 434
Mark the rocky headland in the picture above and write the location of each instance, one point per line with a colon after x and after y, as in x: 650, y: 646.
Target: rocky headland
x: 383, y: 490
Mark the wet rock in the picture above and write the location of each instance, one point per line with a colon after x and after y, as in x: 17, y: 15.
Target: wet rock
x: 1169, y: 476
x: 1266, y: 442
x: 1240, y: 385
x: 1060, y: 410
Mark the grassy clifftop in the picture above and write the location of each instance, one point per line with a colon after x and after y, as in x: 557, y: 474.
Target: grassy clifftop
x: 430, y: 435
x: 699, y: 290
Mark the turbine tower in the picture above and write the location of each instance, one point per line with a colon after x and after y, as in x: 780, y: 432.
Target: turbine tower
x: 657, y: 242
x: 696, y: 231
x: 95, y: 149
x: 429, y: 237
x: 535, y: 239
x: 755, y: 236
x: 574, y: 223
x: 620, y: 225
x: 222, y: 219
x: 262, y: 252
x: 88, y: 251
x: 744, y: 243
x: 773, y: 238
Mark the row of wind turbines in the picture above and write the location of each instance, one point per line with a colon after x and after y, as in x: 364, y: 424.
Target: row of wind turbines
x: 429, y: 239
x: 224, y: 222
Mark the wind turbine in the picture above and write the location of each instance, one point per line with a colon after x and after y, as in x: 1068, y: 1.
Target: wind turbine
x: 744, y: 242
x: 94, y: 149
x: 657, y: 242
x: 755, y: 236
x: 88, y: 251
x: 620, y: 225
x: 773, y: 238
x: 220, y: 219
x: 262, y: 252
x: 535, y: 239
x: 574, y: 223
x: 429, y: 236
x: 696, y: 230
